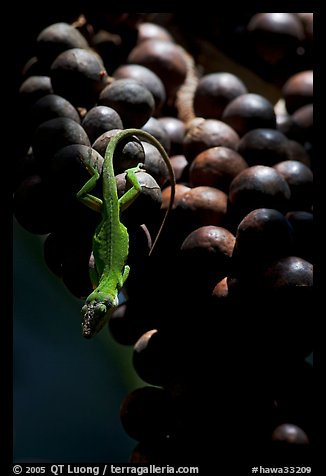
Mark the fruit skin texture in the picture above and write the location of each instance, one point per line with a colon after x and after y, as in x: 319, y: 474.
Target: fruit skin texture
x: 78, y: 75
x: 263, y: 147
x: 249, y: 111
x: 52, y: 106
x: 206, y: 253
x: 176, y: 130
x: 34, y: 88
x: 264, y: 234
x: 100, y: 119
x: 56, y: 38
x: 300, y: 180
x: 133, y: 101
x: 216, y: 167
x: 290, y: 272
x: 214, y: 92
x: 204, y: 206
x: 148, y: 78
x: 275, y: 36
x: 165, y: 59
x: 54, y: 134
x: 297, y: 91
x: 290, y: 434
x: 205, y: 133
x: 259, y: 186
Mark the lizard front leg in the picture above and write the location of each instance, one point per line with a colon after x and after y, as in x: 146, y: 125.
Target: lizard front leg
x: 130, y: 196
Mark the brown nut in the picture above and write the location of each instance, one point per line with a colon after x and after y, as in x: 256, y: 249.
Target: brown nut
x: 298, y: 90
x: 248, y: 112
x: 300, y: 180
x: 263, y: 147
x: 258, y: 186
x: 165, y: 59
x: 206, y: 253
x: 214, y: 91
x: 216, y: 167
x: 275, y: 36
x: 206, y: 133
x: 204, y: 206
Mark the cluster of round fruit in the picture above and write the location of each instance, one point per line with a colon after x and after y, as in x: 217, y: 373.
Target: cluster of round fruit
x: 220, y: 314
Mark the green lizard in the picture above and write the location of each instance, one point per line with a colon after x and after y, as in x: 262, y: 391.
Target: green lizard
x: 111, y: 239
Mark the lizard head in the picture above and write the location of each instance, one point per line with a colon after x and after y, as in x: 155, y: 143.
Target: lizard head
x: 95, y: 315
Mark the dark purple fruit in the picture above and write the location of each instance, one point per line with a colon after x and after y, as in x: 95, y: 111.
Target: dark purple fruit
x: 206, y: 133
x: 176, y: 130
x: 300, y: 180
x: 263, y: 147
x: 68, y: 171
x: 290, y: 272
x: 214, y: 92
x: 180, y: 167
x: 248, y: 112
x: 34, y: 88
x: 153, y: 359
x: 275, y: 36
x: 296, y: 151
x: 131, y: 99
x: 165, y: 59
x: 204, y: 206
x: 298, y: 91
x: 263, y: 235
x: 152, y: 31
x: 79, y: 76
x: 290, y: 434
x: 259, y: 187
x: 307, y: 20
x: 206, y: 253
x: 99, y: 120
x: 55, y: 39
x: 51, y: 107
x: 148, y: 78
x: 156, y: 129
x: 216, y: 167
x: 54, y: 134
x: 303, y: 119
x: 154, y: 163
